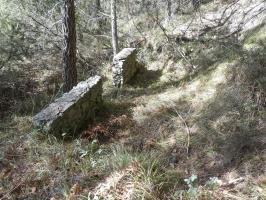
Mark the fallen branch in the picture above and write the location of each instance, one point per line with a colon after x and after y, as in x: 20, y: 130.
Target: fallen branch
x: 233, y: 182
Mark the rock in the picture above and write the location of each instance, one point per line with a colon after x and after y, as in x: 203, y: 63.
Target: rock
x: 125, y: 66
x: 69, y: 113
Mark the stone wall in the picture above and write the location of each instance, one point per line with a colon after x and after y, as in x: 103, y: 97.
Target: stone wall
x: 125, y: 66
x: 72, y: 111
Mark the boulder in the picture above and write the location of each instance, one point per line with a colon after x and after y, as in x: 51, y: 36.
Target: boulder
x: 71, y: 112
x: 125, y: 66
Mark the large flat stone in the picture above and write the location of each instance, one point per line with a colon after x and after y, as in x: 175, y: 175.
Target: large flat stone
x: 125, y: 66
x: 71, y: 112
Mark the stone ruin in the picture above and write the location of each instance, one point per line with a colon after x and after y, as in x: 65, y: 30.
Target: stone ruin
x: 125, y: 66
x: 71, y: 112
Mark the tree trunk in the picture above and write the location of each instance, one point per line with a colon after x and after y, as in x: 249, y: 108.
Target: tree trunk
x: 114, y: 27
x: 69, y: 48
x: 196, y: 4
x: 98, y: 15
x: 98, y: 5
x: 169, y: 9
x: 143, y: 5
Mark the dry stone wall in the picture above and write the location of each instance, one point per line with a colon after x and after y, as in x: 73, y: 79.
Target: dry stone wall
x: 73, y: 110
x: 125, y: 66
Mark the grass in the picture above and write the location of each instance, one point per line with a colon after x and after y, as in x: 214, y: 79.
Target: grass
x: 151, y: 136
x: 220, y: 111
x: 256, y: 38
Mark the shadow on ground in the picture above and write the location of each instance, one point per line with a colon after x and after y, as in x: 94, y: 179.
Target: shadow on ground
x: 227, y: 133
x: 144, y: 78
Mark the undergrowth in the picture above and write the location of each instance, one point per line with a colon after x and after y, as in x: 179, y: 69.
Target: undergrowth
x: 166, y: 135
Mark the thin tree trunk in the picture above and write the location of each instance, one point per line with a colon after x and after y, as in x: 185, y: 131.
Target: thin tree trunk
x: 143, y: 5
x: 114, y: 27
x: 98, y: 15
x: 99, y: 25
x: 196, y: 4
x: 69, y: 49
x: 169, y: 9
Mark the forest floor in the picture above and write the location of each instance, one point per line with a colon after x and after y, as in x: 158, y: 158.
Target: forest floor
x: 166, y: 135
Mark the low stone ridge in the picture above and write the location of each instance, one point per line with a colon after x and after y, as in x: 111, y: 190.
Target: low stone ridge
x: 73, y: 110
x: 125, y: 66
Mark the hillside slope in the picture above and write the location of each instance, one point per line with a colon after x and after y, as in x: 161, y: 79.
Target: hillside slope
x: 191, y: 125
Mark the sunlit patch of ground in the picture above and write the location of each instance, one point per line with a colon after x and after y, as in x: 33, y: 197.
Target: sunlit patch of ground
x: 196, y: 94
x: 116, y: 185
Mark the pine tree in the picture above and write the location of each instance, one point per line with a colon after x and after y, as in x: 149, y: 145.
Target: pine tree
x: 114, y: 27
x: 69, y: 48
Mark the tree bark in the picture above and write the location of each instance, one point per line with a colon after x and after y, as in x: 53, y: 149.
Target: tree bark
x: 169, y: 9
x: 69, y: 48
x: 98, y: 5
x: 114, y: 27
x: 196, y: 4
x: 98, y: 9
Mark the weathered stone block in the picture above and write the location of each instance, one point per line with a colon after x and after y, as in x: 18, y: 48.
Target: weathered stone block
x: 125, y: 66
x: 71, y: 112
